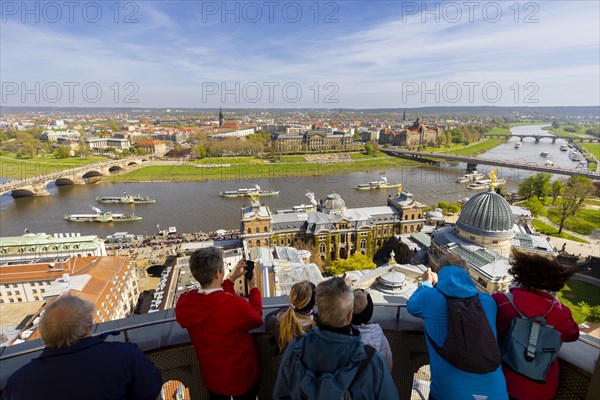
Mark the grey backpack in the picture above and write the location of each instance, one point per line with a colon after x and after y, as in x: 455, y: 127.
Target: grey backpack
x: 531, y: 345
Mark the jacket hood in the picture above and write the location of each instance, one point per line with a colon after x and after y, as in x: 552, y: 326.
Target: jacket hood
x: 456, y: 282
x: 336, y: 355
x: 194, y: 308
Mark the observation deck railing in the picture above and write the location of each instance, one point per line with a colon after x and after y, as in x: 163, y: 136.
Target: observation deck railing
x: 169, y: 347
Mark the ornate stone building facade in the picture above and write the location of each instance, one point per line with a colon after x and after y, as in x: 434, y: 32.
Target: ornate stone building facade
x: 314, y: 140
x: 334, y: 230
x: 410, y: 136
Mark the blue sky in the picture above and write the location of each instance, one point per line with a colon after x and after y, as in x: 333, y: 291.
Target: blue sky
x: 300, y: 54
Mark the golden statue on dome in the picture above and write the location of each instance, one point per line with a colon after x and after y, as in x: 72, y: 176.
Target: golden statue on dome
x: 399, y: 190
x: 493, y: 178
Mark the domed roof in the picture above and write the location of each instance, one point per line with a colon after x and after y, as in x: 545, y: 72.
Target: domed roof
x: 487, y: 214
x: 333, y: 203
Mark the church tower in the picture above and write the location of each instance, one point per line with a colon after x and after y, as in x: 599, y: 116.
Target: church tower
x: 220, y: 118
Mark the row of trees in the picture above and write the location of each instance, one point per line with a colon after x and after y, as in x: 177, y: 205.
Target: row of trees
x: 537, y: 188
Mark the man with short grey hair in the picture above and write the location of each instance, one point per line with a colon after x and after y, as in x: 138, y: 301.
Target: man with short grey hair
x: 330, y: 361
x: 95, y: 369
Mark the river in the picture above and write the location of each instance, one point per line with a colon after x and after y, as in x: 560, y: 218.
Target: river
x: 197, y: 206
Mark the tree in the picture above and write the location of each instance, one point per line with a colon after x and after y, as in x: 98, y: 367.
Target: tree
x: 61, y: 152
x: 526, y: 187
x: 576, y: 190
x: 369, y: 149
x: 555, y: 125
x: 200, y: 151
x: 541, y: 185
x: 556, y: 189
x: 535, y: 206
x: 535, y: 185
x: 357, y: 261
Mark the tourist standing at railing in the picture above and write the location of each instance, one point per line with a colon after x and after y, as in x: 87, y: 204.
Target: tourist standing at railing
x: 330, y: 361
x: 537, y: 282
x: 219, y: 323
x: 75, y: 365
x: 296, y: 319
x: 370, y: 333
x: 429, y: 303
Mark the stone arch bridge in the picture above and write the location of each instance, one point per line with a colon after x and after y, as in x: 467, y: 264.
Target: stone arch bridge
x: 37, y: 186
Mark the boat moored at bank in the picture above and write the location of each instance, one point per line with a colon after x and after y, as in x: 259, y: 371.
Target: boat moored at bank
x: 518, y: 145
x: 564, y: 147
x: 575, y: 155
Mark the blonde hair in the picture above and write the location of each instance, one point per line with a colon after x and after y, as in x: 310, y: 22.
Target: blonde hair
x: 66, y: 321
x: 291, y: 323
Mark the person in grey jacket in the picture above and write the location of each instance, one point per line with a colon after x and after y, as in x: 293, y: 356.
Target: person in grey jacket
x: 323, y: 363
x: 370, y: 333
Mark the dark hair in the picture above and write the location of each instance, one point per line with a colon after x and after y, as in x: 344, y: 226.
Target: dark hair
x: 205, y: 263
x: 536, y: 271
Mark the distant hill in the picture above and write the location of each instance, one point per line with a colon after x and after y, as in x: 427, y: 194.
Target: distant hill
x: 557, y: 112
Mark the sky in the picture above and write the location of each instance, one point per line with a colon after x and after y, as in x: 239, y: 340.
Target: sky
x: 292, y: 54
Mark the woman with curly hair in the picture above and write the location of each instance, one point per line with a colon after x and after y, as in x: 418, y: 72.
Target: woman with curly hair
x: 534, y: 290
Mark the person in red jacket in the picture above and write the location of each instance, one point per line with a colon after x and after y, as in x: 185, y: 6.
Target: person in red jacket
x: 218, y: 322
x: 537, y: 281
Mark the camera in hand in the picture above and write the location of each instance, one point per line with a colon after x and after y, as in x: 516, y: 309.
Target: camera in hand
x: 249, y: 269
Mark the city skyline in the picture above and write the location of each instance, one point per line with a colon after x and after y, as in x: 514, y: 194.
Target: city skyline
x: 300, y: 55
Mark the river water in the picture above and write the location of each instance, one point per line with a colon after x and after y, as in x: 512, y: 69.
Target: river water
x: 197, y: 206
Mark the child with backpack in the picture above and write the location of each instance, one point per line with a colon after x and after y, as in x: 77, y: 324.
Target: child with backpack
x: 460, y: 327
x: 530, y: 368
x: 370, y: 333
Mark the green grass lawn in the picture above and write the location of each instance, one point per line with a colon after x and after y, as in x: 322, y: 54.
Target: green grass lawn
x: 251, y: 171
x: 21, y: 168
x: 575, y: 292
x: 228, y: 160
x: 477, y: 148
x: 582, y: 222
x: 545, y: 229
x: 593, y: 148
x: 292, y: 159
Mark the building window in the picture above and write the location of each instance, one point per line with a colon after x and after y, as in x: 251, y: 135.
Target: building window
x: 249, y: 230
x: 266, y: 229
x: 385, y: 230
x: 322, y: 248
x: 257, y: 230
x: 363, y: 244
x: 266, y: 241
x: 405, y: 229
x: 257, y: 242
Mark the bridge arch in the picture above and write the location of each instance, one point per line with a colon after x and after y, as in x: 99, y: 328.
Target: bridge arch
x: 23, y: 192
x: 115, y: 168
x: 91, y: 174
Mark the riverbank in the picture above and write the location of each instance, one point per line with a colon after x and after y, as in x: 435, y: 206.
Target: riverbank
x: 240, y: 168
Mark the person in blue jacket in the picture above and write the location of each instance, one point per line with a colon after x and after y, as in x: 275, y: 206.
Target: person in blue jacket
x: 75, y: 365
x: 427, y: 302
x: 323, y: 363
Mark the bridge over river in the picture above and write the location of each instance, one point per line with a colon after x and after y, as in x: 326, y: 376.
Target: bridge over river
x: 37, y: 186
x: 537, y: 138
x: 473, y: 161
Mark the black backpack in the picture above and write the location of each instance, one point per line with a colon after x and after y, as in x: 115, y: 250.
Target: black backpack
x: 470, y: 344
